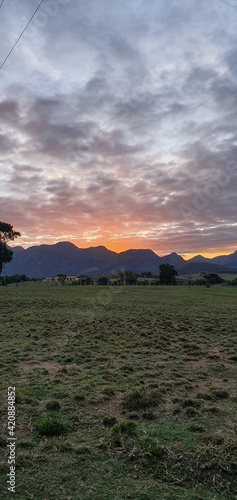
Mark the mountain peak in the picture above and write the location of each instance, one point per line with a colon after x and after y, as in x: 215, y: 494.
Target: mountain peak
x: 66, y: 258
x: 198, y: 258
x: 64, y: 243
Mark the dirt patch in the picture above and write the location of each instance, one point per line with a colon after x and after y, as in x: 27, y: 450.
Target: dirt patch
x: 203, y: 364
x: 199, y: 388
x: 196, y: 365
x: 51, y: 366
x: 206, y: 387
x: 112, y: 407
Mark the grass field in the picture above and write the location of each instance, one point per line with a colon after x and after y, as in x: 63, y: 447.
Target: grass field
x: 121, y: 393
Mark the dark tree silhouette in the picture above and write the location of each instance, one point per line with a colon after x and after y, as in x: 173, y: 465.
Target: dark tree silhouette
x: 6, y: 234
x: 127, y: 277
x: 102, y: 280
x: 62, y: 278
x: 213, y: 279
x: 167, y: 274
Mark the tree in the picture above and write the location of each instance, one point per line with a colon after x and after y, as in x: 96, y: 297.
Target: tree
x: 62, y: 278
x: 6, y: 234
x: 213, y: 279
x: 127, y: 277
x: 17, y: 278
x: 102, y: 280
x: 232, y: 282
x: 167, y: 274
x: 146, y: 274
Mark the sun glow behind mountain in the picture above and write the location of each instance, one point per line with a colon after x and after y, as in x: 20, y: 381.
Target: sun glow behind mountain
x: 124, y: 245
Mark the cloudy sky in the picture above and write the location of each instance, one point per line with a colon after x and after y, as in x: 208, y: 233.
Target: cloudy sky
x: 118, y: 123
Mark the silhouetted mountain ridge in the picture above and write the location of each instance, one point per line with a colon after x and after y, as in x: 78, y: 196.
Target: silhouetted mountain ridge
x: 65, y: 257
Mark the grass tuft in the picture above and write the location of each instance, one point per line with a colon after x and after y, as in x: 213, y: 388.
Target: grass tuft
x: 51, y: 427
x: 53, y: 405
x: 140, y: 399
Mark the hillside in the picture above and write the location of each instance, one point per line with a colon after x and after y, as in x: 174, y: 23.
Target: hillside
x: 202, y: 267
x: 67, y: 258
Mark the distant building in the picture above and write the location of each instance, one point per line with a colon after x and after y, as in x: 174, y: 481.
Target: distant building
x: 67, y: 278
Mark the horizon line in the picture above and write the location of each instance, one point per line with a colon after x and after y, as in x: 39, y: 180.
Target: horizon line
x: 183, y: 255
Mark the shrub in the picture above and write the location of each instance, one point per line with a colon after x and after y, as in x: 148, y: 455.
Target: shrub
x: 115, y: 435
x: 128, y: 427
x: 140, y: 399
x: 220, y: 393
x: 53, y: 405
x: 51, y: 427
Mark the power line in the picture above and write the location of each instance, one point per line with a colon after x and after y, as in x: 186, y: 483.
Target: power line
x: 2, y: 4
x: 22, y: 33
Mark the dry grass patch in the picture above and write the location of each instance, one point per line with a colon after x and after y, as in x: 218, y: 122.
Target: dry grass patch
x: 110, y: 407
x: 51, y: 366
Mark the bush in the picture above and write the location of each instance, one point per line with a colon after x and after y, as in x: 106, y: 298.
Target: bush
x: 115, y: 435
x: 128, y: 427
x: 140, y: 399
x: 53, y: 405
x: 220, y: 393
x: 51, y: 427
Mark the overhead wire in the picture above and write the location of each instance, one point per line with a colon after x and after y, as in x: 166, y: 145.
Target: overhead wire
x: 22, y: 33
x: 2, y: 4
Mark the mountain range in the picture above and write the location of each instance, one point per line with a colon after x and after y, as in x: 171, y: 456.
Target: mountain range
x: 67, y: 258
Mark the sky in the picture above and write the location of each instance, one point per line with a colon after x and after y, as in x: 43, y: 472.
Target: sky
x: 118, y: 124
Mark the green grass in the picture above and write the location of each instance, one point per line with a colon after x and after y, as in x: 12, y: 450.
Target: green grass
x: 122, y: 393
